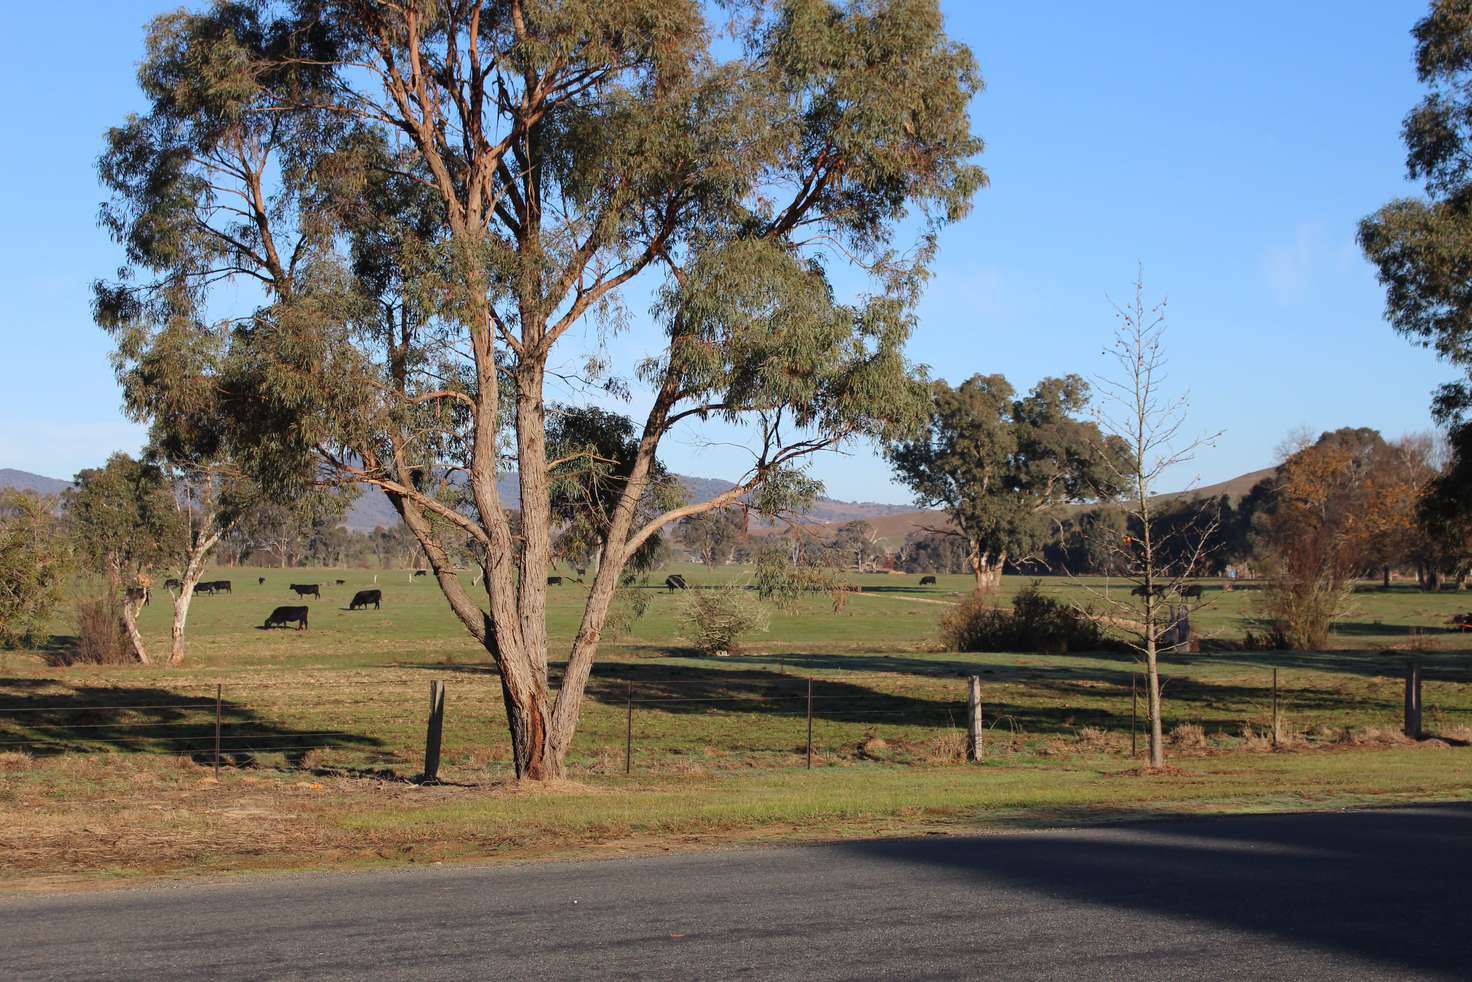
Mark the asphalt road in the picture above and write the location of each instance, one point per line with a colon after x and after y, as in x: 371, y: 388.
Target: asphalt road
x: 1370, y: 894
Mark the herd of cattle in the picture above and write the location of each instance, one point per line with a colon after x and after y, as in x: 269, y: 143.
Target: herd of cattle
x: 288, y: 614
x: 281, y: 616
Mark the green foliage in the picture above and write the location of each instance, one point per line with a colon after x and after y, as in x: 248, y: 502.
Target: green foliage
x: 595, y: 451
x: 35, y: 563
x: 124, y: 518
x: 1000, y: 465
x: 715, y: 619
x: 1036, y: 622
x: 713, y: 535
x: 1422, y: 247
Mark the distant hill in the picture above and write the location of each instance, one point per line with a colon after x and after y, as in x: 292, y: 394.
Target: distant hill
x: 1235, y: 488
x: 26, y: 481
x: 893, y: 522
x: 371, y: 510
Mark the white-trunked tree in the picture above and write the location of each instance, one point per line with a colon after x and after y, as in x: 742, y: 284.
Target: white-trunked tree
x: 438, y: 200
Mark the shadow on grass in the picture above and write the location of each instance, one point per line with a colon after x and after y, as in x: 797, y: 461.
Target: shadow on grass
x: 58, y: 717
x: 1367, y: 885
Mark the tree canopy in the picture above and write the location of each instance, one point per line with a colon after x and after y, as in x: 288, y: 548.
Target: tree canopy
x: 1001, y: 465
x: 1422, y: 246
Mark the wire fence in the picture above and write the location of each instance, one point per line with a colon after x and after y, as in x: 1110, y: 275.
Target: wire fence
x: 729, y: 718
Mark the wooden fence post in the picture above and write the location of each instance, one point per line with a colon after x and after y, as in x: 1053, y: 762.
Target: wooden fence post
x: 973, y: 719
x: 434, y: 732
x: 1275, y: 709
x: 629, y: 731
x: 1413, y: 700
x: 810, y: 723
x: 218, y: 690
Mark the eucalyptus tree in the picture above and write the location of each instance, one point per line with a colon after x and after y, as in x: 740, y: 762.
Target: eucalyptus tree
x: 1422, y: 246
x: 1002, y: 466
x: 122, y: 517
x: 441, y: 205
x: 35, y: 565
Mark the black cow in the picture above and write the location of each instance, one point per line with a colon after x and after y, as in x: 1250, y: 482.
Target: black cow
x: 173, y: 585
x: 421, y: 572
x: 582, y: 571
x: 365, y: 597
x: 341, y: 582
x: 260, y: 581
x: 1140, y: 591
x: 222, y: 586
x: 554, y: 581
x: 282, y: 616
x: 307, y: 590
x: 927, y: 581
x: 204, y: 587
x: 135, y: 594
x: 1191, y: 592
x: 675, y: 582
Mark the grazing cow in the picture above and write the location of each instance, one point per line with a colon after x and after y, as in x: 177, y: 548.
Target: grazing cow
x: 554, y: 581
x: 341, y: 582
x: 365, y: 597
x: 307, y: 590
x: 1140, y: 591
x: 135, y: 594
x: 260, y: 581
x: 282, y: 616
x: 222, y: 586
x: 675, y: 582
x: 927, y: 581
x: 582, y: 571
x: 1191, y: 592
x: 204, y: 587
x: 421, y: 572
x: 172, y: 584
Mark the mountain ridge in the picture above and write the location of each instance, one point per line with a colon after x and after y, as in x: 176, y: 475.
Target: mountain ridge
x: 370, y: 510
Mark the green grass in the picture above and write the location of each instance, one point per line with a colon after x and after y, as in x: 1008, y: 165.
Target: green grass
x: 321, y: 728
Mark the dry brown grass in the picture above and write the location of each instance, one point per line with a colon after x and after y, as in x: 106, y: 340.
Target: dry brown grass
x: 1187, y: 736
x: 946, y: 747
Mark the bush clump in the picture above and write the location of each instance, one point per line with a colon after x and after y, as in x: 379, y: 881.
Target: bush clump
x: 715, y: 620
x: 1035, y: 623
x: 102, y: 638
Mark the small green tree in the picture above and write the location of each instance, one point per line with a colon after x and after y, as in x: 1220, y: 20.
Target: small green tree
x: 1002, y: 466
x: 123, y: 516
x: 714, y: 535
x: 35, y: 562
x: 714, y: 620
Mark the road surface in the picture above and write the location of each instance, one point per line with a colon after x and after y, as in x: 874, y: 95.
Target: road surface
x: 1368, y: 894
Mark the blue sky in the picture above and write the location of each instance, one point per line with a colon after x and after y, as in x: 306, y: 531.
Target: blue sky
x: 1229, y: 148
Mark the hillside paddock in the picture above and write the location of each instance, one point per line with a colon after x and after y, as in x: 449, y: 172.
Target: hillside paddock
x: 108, y: 772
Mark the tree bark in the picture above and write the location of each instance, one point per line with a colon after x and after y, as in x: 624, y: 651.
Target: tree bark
x: 988, y: 572
x: 193, y: 570
x: 1152, y: 675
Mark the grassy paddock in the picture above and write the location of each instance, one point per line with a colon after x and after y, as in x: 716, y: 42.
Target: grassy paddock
x: 105, y: 770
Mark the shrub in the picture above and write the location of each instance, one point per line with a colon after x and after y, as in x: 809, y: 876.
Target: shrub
x: 1188, y: 736
x: 1035, y: 623
x: 714, y: 620
x: 101, y: 637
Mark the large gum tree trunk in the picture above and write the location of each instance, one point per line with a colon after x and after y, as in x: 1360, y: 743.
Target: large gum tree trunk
x: 986, y: 569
